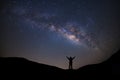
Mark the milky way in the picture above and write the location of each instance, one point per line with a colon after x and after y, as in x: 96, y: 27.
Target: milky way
x: 46, y: 31
x: 70, y: 30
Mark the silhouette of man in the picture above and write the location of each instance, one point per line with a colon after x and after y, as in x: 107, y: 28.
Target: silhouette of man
x: 70, y: 61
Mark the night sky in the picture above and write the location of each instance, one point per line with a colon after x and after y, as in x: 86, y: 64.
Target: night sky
x: 46, y: 31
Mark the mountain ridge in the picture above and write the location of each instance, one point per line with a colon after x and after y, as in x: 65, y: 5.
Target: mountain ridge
x: 16, y: 65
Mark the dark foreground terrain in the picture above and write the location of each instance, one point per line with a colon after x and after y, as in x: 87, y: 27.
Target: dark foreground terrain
x: 17, y: 68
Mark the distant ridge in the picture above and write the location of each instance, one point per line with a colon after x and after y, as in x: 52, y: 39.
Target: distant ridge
x: 22, y: 62
x: 108, y: 67
x: 23, y: 67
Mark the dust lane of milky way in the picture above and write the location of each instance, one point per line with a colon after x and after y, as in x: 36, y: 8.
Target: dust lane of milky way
x: 70, y: 30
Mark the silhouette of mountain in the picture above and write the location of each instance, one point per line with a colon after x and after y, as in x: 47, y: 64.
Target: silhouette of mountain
x: 13, y: 62
x: 21, y: 67
x: 110, y: 67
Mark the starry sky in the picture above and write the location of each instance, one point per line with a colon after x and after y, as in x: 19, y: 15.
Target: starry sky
x: 46, y: 31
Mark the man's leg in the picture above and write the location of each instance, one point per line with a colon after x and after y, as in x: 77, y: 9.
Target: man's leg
x: 69, y: 66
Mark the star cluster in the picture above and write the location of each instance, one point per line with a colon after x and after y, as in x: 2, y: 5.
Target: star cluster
x: 48, y: 20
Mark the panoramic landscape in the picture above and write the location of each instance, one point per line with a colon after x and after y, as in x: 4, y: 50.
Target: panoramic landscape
x: 23, y: 67
x: 60, y: 39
